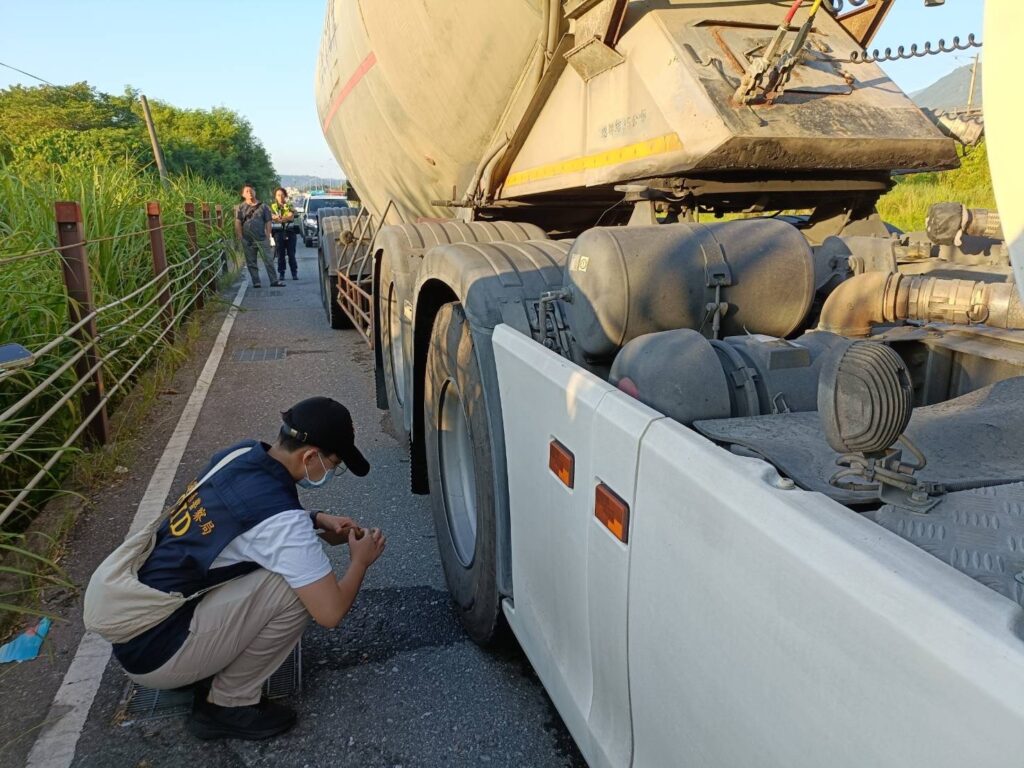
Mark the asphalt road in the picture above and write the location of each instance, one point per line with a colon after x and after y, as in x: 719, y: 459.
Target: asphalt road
x: 397, y: 684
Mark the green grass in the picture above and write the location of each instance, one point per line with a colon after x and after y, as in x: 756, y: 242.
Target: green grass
x: 112, y: 197
x: 35, y: 310
x: 907, y: 204
x: 28, y: 571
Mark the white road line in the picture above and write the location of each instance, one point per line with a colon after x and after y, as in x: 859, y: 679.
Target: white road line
x: 55, y: 746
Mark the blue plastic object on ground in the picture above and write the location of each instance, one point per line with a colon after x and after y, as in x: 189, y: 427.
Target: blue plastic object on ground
x: 25, y: 646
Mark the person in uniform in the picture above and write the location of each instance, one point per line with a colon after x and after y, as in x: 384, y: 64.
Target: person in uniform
x: 285, y: 229
x: 248, y: 561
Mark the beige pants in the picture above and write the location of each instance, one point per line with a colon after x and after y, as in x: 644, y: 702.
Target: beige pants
x: 240, y: 634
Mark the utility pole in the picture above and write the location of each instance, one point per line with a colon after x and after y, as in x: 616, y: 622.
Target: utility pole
x: 974, y: 78
x: 157, y: 152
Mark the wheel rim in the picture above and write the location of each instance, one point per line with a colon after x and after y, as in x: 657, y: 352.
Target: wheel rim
x: 395, y: 344
x: 458, y: 482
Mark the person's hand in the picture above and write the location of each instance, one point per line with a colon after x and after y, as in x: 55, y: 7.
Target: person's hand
x: 336, y: 528
x: 365, y: 551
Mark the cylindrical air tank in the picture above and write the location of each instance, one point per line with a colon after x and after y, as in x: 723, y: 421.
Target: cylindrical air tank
x: 625, y: 282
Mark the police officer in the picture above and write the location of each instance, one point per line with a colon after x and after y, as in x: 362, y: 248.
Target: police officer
x: 284, y: 228
x: 240, y: 545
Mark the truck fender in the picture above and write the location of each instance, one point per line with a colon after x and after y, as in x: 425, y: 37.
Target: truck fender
x: 404, y: 246
x: 496, y: 283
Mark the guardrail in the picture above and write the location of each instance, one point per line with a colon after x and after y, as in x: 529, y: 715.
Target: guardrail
x: 100, y: 352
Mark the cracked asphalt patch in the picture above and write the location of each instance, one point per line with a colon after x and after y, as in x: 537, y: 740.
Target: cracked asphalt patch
x: 398, y: 683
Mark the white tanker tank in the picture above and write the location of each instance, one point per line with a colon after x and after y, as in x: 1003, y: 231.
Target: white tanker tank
x: 521, y: 108
x: 410, y: 94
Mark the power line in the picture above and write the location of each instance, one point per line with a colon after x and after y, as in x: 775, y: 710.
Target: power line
x: 35, y: 77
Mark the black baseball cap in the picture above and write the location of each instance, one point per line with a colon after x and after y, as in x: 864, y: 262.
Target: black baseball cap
x: 327, y: 424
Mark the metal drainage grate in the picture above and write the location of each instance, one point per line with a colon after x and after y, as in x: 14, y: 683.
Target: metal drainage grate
x: 151, y: 704
x: 260, y: 355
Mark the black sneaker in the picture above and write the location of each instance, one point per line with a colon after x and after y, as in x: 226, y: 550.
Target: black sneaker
x: 200, y: 690
x: 278, y: 284
x: 253, y: 723
x: 294, y: 276
x: 257, y: 285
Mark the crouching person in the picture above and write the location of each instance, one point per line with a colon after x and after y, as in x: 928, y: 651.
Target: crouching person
x: 217, y: 591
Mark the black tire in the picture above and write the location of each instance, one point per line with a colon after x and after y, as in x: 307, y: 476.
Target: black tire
x: 329, y: 292
x: 454, y: 386
x: 393, y: 364
x: 321, y: 282
x: 307, y: 242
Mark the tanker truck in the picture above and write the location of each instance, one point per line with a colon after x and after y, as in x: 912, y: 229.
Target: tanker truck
x: 736, y: 463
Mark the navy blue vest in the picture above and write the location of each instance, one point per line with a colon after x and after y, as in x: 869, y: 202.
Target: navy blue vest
x: 239, y: 496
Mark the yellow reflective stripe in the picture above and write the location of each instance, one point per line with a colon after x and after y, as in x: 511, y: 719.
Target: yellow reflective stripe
x: 668, y: 143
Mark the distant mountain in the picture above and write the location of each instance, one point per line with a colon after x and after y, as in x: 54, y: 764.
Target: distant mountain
x: 305, y: 182
x: 951, y: 91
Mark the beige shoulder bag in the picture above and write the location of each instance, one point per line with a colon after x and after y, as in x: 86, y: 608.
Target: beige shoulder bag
x: 118, y: 606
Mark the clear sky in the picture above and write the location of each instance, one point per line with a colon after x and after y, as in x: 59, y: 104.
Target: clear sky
x: 257, y: 57
x: 910, y: 22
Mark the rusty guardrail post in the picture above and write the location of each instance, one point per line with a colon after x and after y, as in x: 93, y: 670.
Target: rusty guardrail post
x: 156, y: 244
x: 193, y: 250
x: 219, y: 212
x: 208, y: 225
x: 75, y: 265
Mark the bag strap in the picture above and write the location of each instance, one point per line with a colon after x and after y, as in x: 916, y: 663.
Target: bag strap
x: 250, y: 214
x: 169, y: 510
x: 222, y: 463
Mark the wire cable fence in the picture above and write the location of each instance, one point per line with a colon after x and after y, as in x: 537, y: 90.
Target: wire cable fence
x: 56, y: 392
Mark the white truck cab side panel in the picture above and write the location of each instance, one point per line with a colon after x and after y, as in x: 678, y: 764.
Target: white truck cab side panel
x: 766, y: 627
x: 775, y: 627
x: 570, y: 575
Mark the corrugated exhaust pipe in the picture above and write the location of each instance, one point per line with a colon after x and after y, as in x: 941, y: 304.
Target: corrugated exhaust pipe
x: 874, y: 298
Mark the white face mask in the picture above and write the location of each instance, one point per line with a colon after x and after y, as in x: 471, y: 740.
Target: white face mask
x: 327, y: 477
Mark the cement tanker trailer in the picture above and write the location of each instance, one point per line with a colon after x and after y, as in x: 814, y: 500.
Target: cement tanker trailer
x: 747, y: 490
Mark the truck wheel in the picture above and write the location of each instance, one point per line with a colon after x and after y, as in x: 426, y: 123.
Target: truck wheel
x: 459, y: 467
x: 338, y: 319
x: 321, y: 283
x: 391, y: 352
x: 307, y: 242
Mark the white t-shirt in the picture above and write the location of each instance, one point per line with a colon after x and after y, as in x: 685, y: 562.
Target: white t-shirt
x: 286, y: 544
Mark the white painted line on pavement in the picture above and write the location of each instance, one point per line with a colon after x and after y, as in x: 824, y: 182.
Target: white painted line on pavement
x: 55, y: 747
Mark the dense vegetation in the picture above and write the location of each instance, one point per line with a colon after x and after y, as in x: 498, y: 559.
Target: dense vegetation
x: 970, y: 184
x: 113, y: 196
x: 46, y: 126
x: 75, y: 143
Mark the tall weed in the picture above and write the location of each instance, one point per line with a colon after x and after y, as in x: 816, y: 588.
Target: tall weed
x: 906, y: 205
x: 34, y: 303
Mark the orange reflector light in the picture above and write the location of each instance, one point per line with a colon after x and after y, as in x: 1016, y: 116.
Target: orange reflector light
x: 562, y: 463
x: 612, y: 511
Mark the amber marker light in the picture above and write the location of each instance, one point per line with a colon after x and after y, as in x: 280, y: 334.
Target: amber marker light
x: 612, y: 511
x: 562, y: 463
